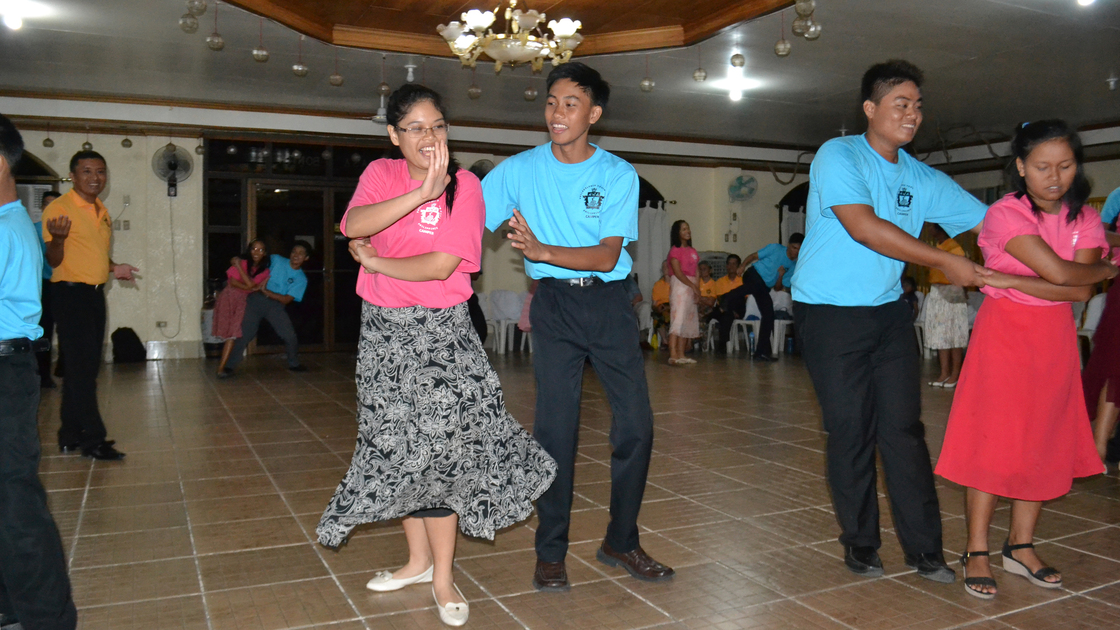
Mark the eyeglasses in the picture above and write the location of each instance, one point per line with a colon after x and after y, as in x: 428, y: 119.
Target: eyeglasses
x: 256, y: 249
x: 419, y: 132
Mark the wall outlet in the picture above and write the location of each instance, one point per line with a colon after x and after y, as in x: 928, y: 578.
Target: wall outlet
x: 127, y: 199
x: 735, y: 238
x: 117, y: 225
x: 124, y: 224
x: 161, y: 324
x: 726, y: 237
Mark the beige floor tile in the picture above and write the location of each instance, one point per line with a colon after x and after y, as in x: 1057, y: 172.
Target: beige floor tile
x: 227, y: 487
x: 780, y: 615
x: 886, y: 605
x: 257, y: 506
x: 138, y: 546
x: 242, y: 535
x: 1072, y: 613
x: 279, y: 606
x: 702, y: 590
x: 171, y: 613
x: 595, y: 605
x: 260, y: 566
x: 134, y: 582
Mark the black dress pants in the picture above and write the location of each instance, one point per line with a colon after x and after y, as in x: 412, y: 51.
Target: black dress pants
x: 864, y: 366
x: 572, y: 324
x: 46, y: 322
x: 734, y: 304
x: 79, y: 311
x: 258, y: 308
x: 34, y: 586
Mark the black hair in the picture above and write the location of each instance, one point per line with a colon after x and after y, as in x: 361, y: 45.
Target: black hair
x: 401, y: 101
x: 675, y: 234
x: 11, y: 143
x: 85, y: 155
x: 1027, y: 138
x: 247, y: 256
x: 586, y: 77
x: 882, y: 77
x: 796, y: 238
x: 909, y: 280
x: 53, y: 194
x: 307, y: 248
x: 736, y: 257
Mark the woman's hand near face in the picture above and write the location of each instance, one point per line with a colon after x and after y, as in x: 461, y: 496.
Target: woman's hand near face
x: 437, y: 178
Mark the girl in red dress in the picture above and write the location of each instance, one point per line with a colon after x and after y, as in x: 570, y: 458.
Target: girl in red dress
x: 1018, y: 428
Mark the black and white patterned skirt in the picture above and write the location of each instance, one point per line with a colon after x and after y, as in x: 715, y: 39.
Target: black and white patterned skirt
x: 433, y: 430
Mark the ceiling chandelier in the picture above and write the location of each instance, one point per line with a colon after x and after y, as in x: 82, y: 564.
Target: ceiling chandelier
x: 524, y: 40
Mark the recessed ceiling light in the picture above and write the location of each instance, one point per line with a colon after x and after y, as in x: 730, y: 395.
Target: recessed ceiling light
x: 1085, y: 3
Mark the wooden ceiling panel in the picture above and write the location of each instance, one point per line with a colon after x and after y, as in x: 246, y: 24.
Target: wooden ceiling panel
x: 409, y: 25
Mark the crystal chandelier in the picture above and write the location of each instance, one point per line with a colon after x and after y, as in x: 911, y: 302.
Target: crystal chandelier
x: 523, y: 41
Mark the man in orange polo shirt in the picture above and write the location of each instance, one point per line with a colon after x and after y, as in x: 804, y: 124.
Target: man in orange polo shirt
x: 77, y: 229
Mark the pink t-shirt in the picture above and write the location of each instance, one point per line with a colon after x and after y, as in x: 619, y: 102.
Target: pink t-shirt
x: 232, y: 274
x: 688, y: 258
x: 428, y: 228
x: 1010, y: 217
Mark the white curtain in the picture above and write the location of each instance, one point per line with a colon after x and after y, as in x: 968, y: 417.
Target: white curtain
x: 652, y: 247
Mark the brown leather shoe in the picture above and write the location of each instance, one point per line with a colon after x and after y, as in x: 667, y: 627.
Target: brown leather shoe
x: 637, y: 562
x: 550, y: 576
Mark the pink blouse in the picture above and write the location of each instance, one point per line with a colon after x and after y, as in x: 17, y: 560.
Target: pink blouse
x: 232, y: 274
x: 688, y: 258
x: 1010, y: 217
x: 428, y: 228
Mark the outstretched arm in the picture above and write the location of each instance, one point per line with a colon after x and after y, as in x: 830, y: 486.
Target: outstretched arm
x: 889, y: 240
x: 602, y: 257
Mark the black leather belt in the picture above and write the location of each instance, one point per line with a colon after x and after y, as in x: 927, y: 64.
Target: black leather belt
x: 588, y: 281
x: 9, y: 347
x: 81, y: 284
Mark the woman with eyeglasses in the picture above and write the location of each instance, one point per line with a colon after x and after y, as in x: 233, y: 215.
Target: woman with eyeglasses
x: 247, y: 273
x: 436, y: 444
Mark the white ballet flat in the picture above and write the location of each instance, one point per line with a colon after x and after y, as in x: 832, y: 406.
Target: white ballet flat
x: 453, y: 614
x: 384, y: 582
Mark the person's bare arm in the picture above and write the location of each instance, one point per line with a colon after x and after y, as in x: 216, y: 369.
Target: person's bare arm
x: 1040, y: 288
x: 602, y: 257
x: 889, y: 240
x: 750, y: 259
x: 419, y: 268
x: 279, y: 297
x: 1033, y: 252
x: 778, y: 286
x: 1113, y: 238
x: 368, y: 220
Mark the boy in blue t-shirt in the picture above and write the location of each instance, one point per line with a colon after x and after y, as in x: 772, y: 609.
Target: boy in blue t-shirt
x: 574, y: 207
x: 286, y: 284
x: 773, y: 267
x: 867, y: 202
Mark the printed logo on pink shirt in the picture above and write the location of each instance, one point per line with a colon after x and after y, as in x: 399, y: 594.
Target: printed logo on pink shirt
x: 429, y: 217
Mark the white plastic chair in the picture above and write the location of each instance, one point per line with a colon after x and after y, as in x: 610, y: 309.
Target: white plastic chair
x: 712, y: 336
x: 1093, y: 312
x: 527, y: 340
x: 505, y: 311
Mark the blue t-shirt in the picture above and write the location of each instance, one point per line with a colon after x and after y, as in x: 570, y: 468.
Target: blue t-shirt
x: 568, y: 205
x: 832, y: 267
x: 47, y: 269
x: 284, y: 280
x: 21, y: 275
x: 1111, y: 208
x: 770, y: 258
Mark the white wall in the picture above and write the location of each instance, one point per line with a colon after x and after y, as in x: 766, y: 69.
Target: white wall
x: 1104, y: 175
x: 170, y: 263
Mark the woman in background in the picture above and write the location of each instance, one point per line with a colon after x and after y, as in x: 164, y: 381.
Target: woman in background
x: 246, y: 274
x: 945, y: 323
x: 684, y: 293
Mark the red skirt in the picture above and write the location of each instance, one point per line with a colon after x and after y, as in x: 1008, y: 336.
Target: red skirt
x: 229, y: 310
x: 1018, y: 427
x: 1104, y: 363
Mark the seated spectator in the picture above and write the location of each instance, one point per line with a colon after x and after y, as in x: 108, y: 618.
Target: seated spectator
x: 910, y: 295
x: 732, y: 280
x: 708, y: 297
x: 660, y: 310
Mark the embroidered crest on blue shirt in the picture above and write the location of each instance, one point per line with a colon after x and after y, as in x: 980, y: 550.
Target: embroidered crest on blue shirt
x: 905, y: 198
x: 593, y: 197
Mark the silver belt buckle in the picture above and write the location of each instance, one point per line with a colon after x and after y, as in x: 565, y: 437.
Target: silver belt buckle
x: 587, y: 281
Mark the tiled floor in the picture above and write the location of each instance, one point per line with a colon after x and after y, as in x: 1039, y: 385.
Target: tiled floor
x: 209, y: 523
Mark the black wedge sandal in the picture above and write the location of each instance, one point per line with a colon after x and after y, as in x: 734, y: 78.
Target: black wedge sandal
x: 1038, y: 578
x: 971, y: 582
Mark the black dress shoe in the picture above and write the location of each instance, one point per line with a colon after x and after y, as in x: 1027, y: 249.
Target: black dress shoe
x: 931, y: 566
x: 637, y: 562
x: 103, y: 451
x: 73, y: 447
x: 297, y: 368
x: 863, y: 561
x: 550, y: 576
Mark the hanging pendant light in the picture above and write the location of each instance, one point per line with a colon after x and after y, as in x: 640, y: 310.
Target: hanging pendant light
x: 531, y: 93
x: 700, y: 74
x: 215, y: 41
x: 87, y: 145
x: 783, y: 47
x: 298, y: 68
x: 200, y: 150
x: 647, y: 83
x: 126, y: 143
x: 473, y: 92
x: 196, y: 7
x: 260, y: 53
x: 188, y: 23
x: 47, y: 142
x: 384, y: 89
x: 336, y: 78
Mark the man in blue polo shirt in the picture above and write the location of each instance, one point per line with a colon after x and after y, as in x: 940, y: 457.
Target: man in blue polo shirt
x: 34, y: 586
x: 773, y: 267
x: 867, y: 202
x: 286, y: 284
x: 574, y: 207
